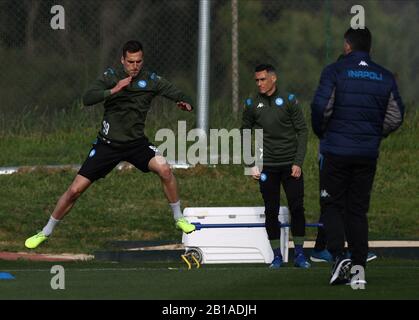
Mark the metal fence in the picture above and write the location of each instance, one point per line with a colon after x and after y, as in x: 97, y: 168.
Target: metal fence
x: 44, y: 70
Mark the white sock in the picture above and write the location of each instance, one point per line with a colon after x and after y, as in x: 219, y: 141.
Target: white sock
x: 177, y: 213
x: 52, y: 222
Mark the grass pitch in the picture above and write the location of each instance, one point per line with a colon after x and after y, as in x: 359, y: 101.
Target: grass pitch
x: 387, y: 279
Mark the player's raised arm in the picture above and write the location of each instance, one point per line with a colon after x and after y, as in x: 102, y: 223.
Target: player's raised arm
x: 168, y: 90
x: 103, y: 87
x: 96, y: 93
x: 121, y: 85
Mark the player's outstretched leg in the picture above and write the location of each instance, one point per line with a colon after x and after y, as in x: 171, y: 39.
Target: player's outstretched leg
x: 64, y: 205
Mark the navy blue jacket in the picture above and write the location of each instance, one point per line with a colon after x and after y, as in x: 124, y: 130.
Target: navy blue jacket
x: 356, y: 104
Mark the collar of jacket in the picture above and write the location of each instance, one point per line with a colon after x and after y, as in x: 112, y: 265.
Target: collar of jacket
x: 358, y: 55
x: 140, y: 74
x: 273, y: 95
x: 121, y: 71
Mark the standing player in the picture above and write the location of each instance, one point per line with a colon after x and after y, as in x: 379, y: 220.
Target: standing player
x: 356, y: 104
x: 284, y: 148
x: 320, y: 252
x: 127, y: 94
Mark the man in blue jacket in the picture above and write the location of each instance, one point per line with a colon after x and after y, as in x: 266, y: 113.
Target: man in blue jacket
x: 356, y: 104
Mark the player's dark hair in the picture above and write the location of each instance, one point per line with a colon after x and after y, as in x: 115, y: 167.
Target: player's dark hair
x: 359, y: 39
x: 131, y: 47
x: 263, y: 67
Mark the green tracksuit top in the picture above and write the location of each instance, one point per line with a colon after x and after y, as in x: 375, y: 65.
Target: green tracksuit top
x: 126, y: 111
x: 284, y: 128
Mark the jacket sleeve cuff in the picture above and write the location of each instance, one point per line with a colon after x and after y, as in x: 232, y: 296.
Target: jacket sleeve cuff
x: 298, y: 163
x: 106, y: 93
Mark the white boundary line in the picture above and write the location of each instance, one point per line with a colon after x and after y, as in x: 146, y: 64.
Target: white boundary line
x: 121, y: 166
x: 375, y: 244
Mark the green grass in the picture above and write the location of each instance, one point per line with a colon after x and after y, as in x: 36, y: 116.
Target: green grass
x: 131, y: 205
x: 387, y: 279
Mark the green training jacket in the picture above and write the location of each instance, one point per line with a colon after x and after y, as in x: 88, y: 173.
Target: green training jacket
x: 126, y: 111
x: 284, y: 128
